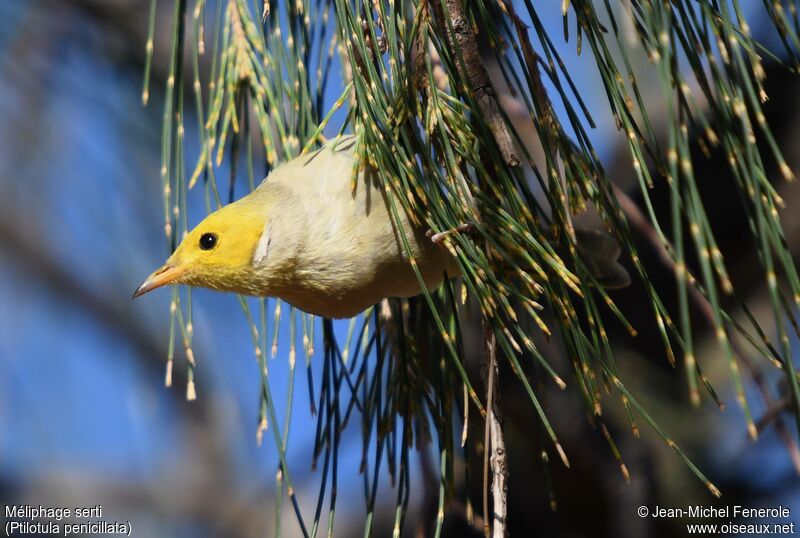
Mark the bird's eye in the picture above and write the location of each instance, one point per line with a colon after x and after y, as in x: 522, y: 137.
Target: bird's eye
x: 208, y: 241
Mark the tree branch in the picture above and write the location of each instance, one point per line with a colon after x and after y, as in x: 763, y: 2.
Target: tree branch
x: 639, y: 222
x: 468, y: 59
x: 493, y: 440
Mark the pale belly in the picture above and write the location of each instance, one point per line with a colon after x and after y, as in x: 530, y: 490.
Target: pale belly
x: 353, y: 286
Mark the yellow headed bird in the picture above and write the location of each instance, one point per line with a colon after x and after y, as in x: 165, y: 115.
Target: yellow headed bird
x: 306, y: 237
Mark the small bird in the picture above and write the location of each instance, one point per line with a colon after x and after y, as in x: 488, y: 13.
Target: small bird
x: 306, y: 236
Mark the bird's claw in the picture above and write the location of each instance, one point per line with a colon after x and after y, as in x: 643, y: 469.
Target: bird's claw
x: 438, y: 238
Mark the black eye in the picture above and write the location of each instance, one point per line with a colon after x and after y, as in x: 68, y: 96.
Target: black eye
x: 208, y: 241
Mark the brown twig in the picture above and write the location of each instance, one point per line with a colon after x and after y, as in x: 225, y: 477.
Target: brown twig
x: 773, y: 412
x: 539, y: 92
x: 551, y: 134
x: 468, y: 59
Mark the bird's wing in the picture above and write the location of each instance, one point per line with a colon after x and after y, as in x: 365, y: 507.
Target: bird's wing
x: 600, y: 252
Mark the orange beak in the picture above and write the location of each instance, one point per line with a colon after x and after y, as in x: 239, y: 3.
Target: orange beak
x: 166, y: 274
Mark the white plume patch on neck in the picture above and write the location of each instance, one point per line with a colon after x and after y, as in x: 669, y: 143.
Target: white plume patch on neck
x: 262, y: 249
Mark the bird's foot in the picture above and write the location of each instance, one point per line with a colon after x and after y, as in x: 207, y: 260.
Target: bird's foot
x: 438, y: 238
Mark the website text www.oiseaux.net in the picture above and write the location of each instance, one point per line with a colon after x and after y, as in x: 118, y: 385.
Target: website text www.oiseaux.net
x: 726, y: 520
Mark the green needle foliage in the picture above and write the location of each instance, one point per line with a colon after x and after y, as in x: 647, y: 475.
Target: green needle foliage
x: 413, y: 87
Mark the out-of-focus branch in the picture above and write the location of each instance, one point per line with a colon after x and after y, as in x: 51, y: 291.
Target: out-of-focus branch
x: 125, y: 31
x: 26, y: 247
x: 641, y: 225
x: 210, y: 463
x: 209, y: 501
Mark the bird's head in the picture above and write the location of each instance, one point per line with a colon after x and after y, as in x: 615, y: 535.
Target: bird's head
x: 217, y: 254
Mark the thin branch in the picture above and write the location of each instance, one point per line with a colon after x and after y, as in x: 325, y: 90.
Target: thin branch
x: 462, y: 39
x: 639, y: 222
x: 493, y: 440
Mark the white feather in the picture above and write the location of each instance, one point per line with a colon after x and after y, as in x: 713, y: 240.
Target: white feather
x: 262, y: 249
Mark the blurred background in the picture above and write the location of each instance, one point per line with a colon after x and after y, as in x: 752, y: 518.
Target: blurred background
x: 85, y: 418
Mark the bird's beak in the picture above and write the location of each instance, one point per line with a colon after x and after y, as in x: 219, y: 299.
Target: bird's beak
x: 166, y: 274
